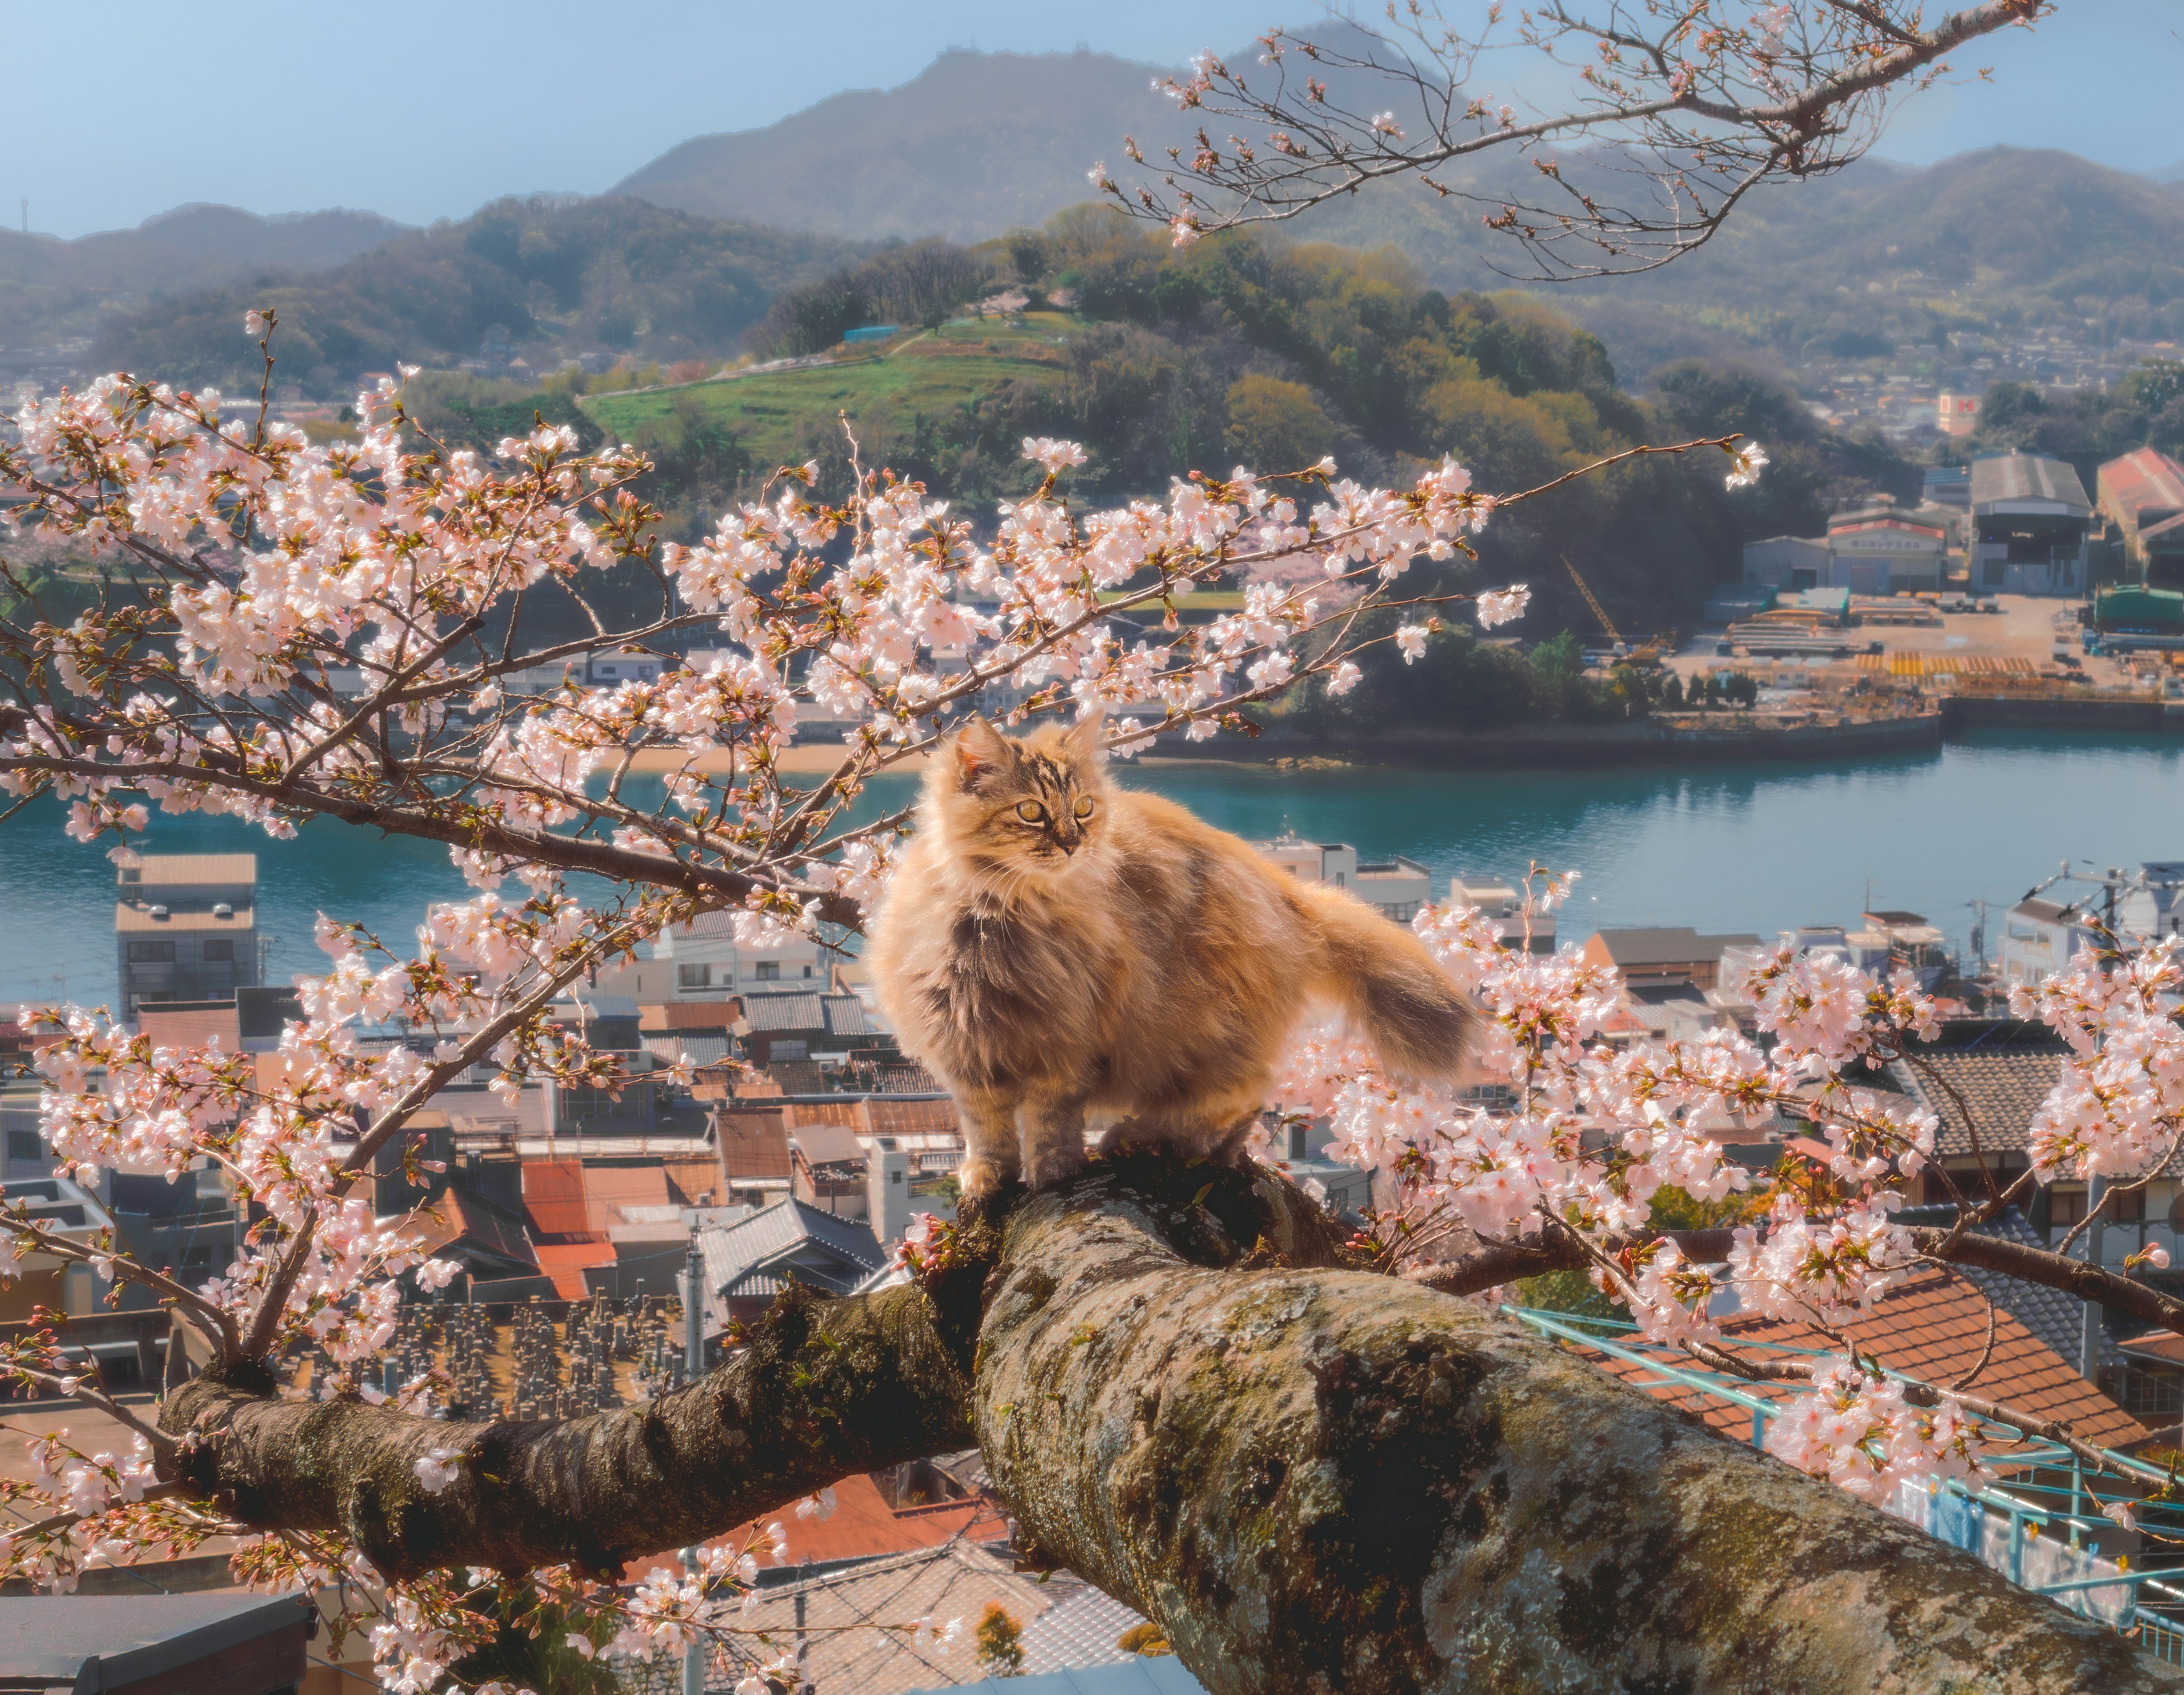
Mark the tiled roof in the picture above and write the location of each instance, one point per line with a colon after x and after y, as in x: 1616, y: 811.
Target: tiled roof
x: 956, y: 1579
x: 456, y: 1218
x: 752, y: 1247
x: 576, y: 1200
x: 846, y: 1015
x: 1079, y: 1631
x: 554, y: 1196
x: 565, y: 1262
x: 2049, y: 1314
x: 2002, y: 1086
x: 796, y: 1010
x: 1933, y: 1327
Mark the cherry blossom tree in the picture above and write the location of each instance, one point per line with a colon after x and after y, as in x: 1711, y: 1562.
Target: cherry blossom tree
x: 1597, y: 138
x: 1307, y: 1461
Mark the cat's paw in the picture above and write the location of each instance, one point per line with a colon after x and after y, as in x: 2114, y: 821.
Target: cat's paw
x: 1050, y: 1165
x: 981, y: 1180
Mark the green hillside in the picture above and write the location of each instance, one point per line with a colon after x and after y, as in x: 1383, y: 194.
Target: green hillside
x: 932, y: 373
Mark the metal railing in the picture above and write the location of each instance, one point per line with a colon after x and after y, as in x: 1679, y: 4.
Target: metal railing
x: 2031, y: 1510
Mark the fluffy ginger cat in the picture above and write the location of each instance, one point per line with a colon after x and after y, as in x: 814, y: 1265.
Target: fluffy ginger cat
x: 1057, y: 949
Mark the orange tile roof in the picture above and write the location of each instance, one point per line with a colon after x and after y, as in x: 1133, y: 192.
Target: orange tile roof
x: 554, y: 1195
x: 863, y: 1526
x: 565, y: 1262
x: 1932, y: 1327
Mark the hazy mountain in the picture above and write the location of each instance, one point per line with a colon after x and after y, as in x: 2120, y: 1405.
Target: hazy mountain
x: 976, y: 144
x: 50, y: 290
x: 1864, y: 260
x: 559, y: 276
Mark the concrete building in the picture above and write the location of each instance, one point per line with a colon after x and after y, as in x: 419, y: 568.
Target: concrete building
x: 708, y: 962
x: 1397, y: 886
x: 2031, y: 520
x: 1881, y: 549
x: 1878, y: 549
x: 1788, y: 562
x: 185, y: 927
x: 2039, y: 938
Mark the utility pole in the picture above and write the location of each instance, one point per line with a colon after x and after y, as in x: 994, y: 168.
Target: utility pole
x: 2089, y: 1339
x: 693, y: 1364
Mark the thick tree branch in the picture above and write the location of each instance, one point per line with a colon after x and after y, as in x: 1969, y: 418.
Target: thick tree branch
x: 1317, y: 1480
x: 1309, y: 1477
x: 823, y: 1388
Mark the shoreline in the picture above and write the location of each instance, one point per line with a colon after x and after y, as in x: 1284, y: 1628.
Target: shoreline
x: 1648, y: 741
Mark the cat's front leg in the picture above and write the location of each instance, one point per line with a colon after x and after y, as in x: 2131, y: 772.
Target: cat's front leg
x: 1053, y: 1126
x: 993, y: 1156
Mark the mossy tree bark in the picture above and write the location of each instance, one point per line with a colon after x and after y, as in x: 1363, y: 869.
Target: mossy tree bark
x: 1313, y: 1479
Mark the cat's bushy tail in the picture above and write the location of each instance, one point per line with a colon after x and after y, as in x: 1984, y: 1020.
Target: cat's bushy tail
x: 1420, y: 1025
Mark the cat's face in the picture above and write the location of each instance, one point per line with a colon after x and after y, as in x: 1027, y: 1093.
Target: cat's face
x: 1033, y: 809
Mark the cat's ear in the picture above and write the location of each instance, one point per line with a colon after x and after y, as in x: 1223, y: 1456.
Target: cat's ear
x: 980, y: 751
x: 1086, y: 742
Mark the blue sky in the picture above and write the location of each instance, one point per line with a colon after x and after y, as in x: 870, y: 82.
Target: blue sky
x: 427, y: 110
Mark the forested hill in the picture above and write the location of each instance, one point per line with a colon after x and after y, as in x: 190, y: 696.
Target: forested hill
x: 52, y: 290
x: 561, y: 276
x: 1241, y: 350
x: 978, y: 144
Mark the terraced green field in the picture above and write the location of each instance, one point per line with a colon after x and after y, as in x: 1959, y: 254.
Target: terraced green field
x: 932, y: 373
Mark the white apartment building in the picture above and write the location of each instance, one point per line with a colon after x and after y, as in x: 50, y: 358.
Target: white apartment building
x: 1397, y: 886
x: 707, y: 960
x: 2040, y: 937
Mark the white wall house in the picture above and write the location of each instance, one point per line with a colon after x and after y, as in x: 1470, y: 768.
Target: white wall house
x: 707, y: 960
x: 1398, y: 887
x: 2039, y: 938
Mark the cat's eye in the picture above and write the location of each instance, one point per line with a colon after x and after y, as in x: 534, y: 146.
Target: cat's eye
x: 1084, y: 808
x: 1030, y: 811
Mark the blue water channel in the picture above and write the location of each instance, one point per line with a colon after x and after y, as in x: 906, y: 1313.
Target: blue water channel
x: 1723, y: 847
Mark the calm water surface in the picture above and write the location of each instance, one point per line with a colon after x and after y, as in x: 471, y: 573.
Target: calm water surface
x: 1724, y: 847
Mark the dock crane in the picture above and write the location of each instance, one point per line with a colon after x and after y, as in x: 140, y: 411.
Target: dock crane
x: 1649, y: 654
